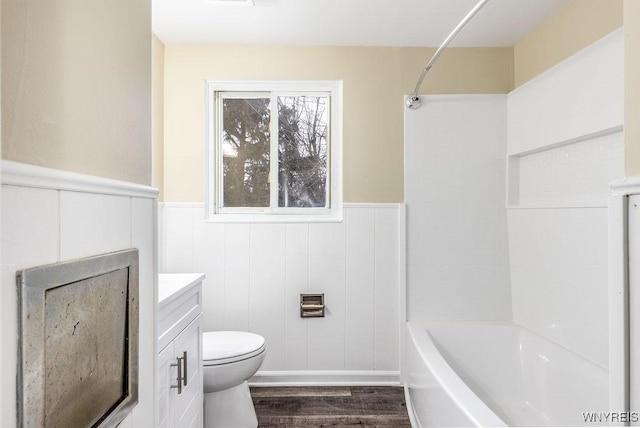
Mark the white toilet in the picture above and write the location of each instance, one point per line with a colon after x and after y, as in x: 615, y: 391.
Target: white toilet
x: 229, y: 358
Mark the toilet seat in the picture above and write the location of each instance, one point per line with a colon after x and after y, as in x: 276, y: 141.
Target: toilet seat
x: 224, y: 347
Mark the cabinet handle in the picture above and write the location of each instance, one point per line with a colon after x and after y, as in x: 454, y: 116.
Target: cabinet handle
x: 179, y: 365
x: 184, y: 371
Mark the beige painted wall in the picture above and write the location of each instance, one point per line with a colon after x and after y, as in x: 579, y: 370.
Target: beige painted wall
x: 157, y: 114
x: 375, y: 81
x: 632, y: 87
x: 574, y: 27
x: 76, y: 86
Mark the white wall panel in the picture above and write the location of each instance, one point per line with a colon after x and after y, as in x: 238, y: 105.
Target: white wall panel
x: 209, y: 258
x: 236, y: 248
x: 296, y: 355
x: 30, y: 224
x: 30, y: 237
x: 237, y: 276
x: 256, y: 272
x: 236, y: 305
x: 178, y: 230
x: 360, y: 288
x: 93, y: 224
x: 267, y: 289
x: 387, y: 304
x: 143, y: 233
x: 327, y: 266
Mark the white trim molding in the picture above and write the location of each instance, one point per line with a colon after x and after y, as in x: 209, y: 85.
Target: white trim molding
x: 618, y: 303
x: 625, y: 186
x: 25, y: 175
x: 623, y: 273
x: 402, y: 289
x: 326, y: 378
x: 394, y: 205
x: 378, y: 205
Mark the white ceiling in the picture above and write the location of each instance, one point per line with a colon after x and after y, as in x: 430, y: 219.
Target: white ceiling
x: 349, y: 22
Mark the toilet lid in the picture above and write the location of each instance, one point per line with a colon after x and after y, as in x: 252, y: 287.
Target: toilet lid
x: 221, y: 347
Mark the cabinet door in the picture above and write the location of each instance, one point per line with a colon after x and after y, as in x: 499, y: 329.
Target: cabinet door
x: 167, y: 376
x: 189, y: 404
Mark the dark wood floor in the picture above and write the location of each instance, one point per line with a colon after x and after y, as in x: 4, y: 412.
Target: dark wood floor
x: 330, y: 407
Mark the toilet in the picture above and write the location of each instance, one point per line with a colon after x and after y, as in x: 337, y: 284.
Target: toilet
x: 229, y: 359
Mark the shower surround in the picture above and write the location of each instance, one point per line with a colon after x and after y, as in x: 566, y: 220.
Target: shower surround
x: 561, y: 137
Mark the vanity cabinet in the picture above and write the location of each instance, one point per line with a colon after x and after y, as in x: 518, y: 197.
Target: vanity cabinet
x: 179, y: 377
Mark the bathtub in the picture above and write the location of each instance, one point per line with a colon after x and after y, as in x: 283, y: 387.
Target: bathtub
x: 497, y: 374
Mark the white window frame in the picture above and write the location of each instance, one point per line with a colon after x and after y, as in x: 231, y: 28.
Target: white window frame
x: 214, y: 186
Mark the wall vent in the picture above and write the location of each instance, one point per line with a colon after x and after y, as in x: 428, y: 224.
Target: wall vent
x: 84, y: 313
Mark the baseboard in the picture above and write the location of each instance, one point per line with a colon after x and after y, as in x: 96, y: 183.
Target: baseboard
x: 326, y: 378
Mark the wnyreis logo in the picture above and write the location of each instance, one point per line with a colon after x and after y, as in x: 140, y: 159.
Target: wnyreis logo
x: 609, y: 417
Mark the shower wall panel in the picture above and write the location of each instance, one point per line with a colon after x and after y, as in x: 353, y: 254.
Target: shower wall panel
x: 565, y: 146
x: 457, y: 256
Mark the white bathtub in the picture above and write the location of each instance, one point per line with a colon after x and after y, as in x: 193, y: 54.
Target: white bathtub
x: 497, y: 374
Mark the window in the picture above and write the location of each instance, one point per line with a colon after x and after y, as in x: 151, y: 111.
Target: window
x: 274, y: 151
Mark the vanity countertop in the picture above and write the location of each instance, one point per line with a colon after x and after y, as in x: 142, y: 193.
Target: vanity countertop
x: 171, y: 285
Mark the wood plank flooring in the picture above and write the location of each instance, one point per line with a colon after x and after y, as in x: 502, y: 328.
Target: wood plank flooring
x: 289, y: 407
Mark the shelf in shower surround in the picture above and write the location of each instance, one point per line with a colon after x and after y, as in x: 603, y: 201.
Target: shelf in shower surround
x: 574, y: 173
x: 569, y: 141
x: 597, y: 204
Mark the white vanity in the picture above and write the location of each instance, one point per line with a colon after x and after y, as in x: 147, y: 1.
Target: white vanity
x: 180, y: 399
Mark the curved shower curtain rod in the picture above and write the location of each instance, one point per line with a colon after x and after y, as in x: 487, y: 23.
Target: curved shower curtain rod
x: 413, y: 101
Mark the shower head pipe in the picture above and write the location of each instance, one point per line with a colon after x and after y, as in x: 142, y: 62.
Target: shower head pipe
x: 413, y: 101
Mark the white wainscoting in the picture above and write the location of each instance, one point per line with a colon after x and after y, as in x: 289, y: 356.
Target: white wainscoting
x: 50, y: 216
x: 565, y: 146
x: 255, y: 273
x: 457, y: 257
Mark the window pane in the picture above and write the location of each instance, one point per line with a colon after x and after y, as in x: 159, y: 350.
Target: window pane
x: 302, y: 151
x: 245, y: 152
